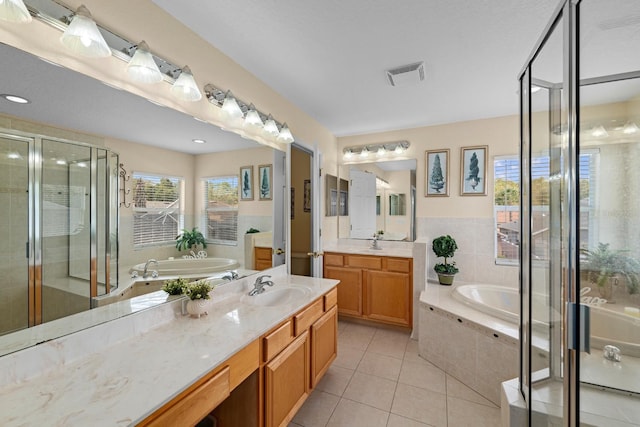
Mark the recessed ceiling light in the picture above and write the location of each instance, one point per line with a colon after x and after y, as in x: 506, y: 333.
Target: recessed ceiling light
x: 199, y: 141
x: 13, y: 156
x: 15, y: 98
x: 61, y: 162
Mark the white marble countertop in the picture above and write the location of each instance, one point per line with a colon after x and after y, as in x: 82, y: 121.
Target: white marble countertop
x: 142, y: 368
x: 363, y: 247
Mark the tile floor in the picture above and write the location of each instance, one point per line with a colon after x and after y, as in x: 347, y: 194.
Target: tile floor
x: 378, y: 379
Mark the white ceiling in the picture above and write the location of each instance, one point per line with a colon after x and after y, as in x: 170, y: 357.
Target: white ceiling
x: 328, y: 57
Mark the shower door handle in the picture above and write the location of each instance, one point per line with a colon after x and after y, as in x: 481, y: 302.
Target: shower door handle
x: 27, y: 249
x: 582, y: 330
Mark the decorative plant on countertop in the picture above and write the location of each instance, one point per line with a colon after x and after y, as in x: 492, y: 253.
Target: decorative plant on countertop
x: 445, y: 247
x: 605, y: 266
x: 190, y: 239
x: 199, y: 289
x: 175, y: 286
x: 198, y: 293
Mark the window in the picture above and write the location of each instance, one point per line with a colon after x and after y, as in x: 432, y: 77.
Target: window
x: 221, y: 209
x: 507, y: 204
x: 157, y: 214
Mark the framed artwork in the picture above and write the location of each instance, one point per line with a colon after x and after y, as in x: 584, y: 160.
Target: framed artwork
x: 246, y: 183
x: 264, y: 182
x: 473, y: 170
x: 307, y: 195
x: 293, y: 203
x: 437, y: 176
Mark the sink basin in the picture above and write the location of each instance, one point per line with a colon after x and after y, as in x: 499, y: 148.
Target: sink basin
x: 278, y: 295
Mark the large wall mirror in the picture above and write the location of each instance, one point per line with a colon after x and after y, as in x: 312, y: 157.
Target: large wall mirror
x: 380, y: 198
x: 86, y: 111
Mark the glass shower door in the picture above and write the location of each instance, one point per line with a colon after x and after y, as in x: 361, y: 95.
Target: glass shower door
x: 16, y: 292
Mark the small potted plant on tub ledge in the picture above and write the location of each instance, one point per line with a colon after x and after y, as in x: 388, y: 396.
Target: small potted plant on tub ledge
x: 445, y: 247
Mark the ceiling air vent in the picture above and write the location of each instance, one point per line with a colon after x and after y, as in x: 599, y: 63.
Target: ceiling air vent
x: 406, y: 75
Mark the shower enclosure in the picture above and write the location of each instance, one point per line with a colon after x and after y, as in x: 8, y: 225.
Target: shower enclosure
x: 58, y: 202
x: 580, y: 228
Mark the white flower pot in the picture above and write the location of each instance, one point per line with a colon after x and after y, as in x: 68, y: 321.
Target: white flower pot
x: 197, y: 307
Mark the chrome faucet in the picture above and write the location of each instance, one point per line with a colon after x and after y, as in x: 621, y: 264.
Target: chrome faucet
x: 258, y: 286
x: 145, y: 274
x: 230, y: 275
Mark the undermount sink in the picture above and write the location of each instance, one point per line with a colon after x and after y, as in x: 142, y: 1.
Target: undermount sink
x: 278, y: 295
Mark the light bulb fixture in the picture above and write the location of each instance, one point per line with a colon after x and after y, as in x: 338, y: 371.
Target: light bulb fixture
x: 14, y: 11
x: 381, y: 150
x: 630, y: 128
x: 599, y: 132
x: 81, y: 164
x: 14, y: 156
x: 270, y: 128
x: 61, y: 162
x: 185, y: 87
x: 83, y: 37
x: 285, y: 135
x: 142, y: 68
x: 230, y: 107
x: 199, y: 141
x: 252, y: 119
x: 14, y: 98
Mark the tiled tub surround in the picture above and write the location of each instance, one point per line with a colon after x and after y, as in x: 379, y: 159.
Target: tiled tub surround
x: 476, y: 248
x: 121, y: 371
x: 416, y: 250
x: 477, y: 349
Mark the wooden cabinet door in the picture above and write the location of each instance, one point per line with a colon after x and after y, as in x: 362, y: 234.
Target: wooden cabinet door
x: 287, y: 382
x: 262, y: 258
x: 324, y: 344
x: 388, y: 297
x: 349, y: 289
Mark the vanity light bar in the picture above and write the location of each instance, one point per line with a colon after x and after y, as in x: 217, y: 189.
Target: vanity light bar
x: 387, y: 147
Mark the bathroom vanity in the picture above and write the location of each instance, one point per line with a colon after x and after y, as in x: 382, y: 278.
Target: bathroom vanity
x: 377, y: 285
x: 252, y: 359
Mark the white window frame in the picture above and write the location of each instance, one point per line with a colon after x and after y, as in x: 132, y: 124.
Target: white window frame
x: 173, y: 212
x: 206, y: 209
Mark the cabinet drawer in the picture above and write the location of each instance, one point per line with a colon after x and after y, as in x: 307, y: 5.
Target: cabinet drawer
x: 304, y: 319
x: 277, y: 340
x: 195, y: 406
x: 333, y: 259
x: 330, y: 299
x: 369, y: 262
x: 400, y: 265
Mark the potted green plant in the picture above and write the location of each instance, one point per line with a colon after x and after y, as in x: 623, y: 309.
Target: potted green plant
x: 198, y: 293
x: 175, y: 286
x: 445, y: 247
x: 190, y: 239
x: 605, y: 267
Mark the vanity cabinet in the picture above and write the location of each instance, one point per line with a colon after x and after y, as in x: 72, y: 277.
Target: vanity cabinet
x: 262, y: 258
x: 296, y: 354
x: 376, y: 288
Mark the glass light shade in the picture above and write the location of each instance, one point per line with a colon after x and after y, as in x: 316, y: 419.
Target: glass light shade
x: 83, y: 37
x: 381, y: 152
x: 599, y: 132
x: 142, y: 68
x: 348, y: 154
x: 185, y: 87
x: 270, y: 127
x: 252, y: 120
x: 364, y: 153
x: 14, y: 11
x: 230, y: 107
x: 630, y: 128
x: 285, y: 135
x: 399, y: 149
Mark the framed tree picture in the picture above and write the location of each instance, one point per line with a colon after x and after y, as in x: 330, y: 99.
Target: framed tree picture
x: 473, y: 170
x: 437, y: 175
x: 246, y: 183
x: 264, y: 182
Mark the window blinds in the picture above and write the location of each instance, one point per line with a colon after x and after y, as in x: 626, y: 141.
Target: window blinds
x: 157, y: 216
x: 221, y: 209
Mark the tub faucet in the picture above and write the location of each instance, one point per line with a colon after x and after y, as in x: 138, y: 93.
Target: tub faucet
x: 258, y: 286
x: 374, y: 242
x: 611, y: 352
x: 231, y: 275
x: 145, y: 274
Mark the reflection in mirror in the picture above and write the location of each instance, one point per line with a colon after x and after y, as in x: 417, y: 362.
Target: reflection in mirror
x: 73, y: 123
x: 331, y: 196
x: 381, y: 198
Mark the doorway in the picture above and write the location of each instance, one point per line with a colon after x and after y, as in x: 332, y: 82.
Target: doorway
x: 301, y: 221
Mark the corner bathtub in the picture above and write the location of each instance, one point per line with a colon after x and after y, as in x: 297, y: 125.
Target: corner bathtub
x: 607, y: 326
x: 188, y: 267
